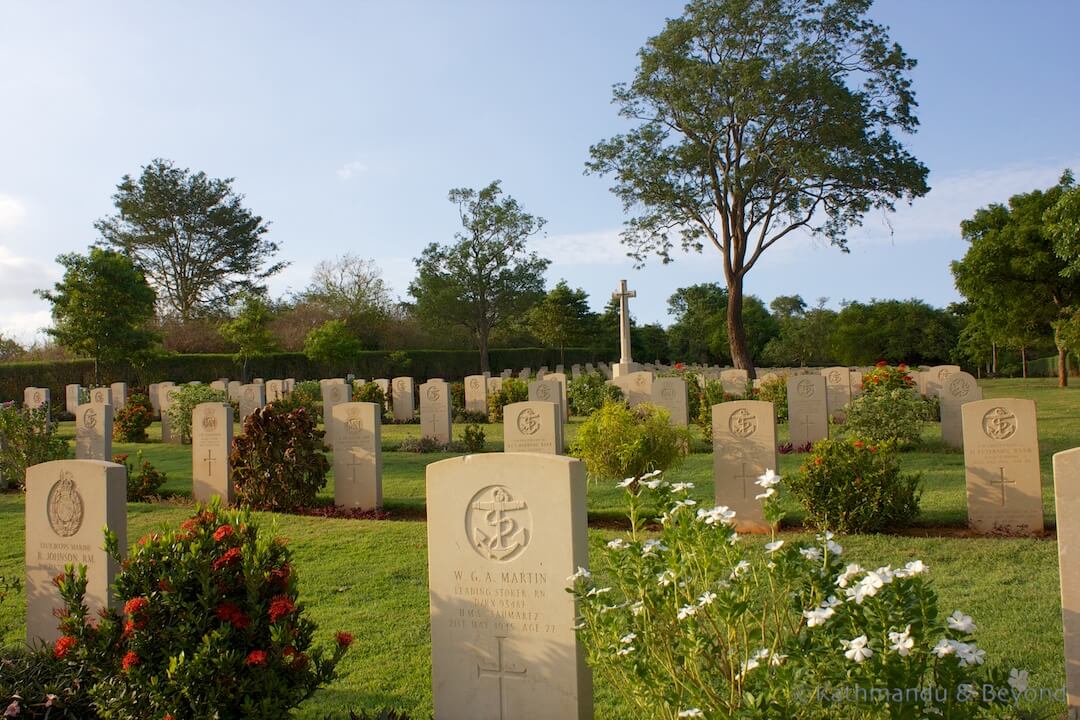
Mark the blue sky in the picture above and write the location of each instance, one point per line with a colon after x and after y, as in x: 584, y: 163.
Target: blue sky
x: 346, y: 123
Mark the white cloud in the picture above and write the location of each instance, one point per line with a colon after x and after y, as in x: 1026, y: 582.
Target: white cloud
x: 349, y: 169
x: 12, y: 212
x: 600, y: 247
x: 24, y: 313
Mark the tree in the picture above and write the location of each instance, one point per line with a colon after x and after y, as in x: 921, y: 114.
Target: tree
x: 487, y: 276
x: 332, y: 343
x: 10, y: 349
x: 894, y: 330
x: 191, y: 237
x: 1013, y: 274
x: 562, y: 318
x: 699, y: 333
x: 249, y: 330
x: 805, y: 336
x: 351, y: 288
x: 759, y: 118
x: 101, y: 307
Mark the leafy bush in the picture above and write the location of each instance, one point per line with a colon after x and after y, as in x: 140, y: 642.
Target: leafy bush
x: 35, y: 684
x: 473, y: 438
x: 774, y: 390
x: 885, y: 377
x: 428, y: 444
x: 278, y: 463
x: 144, y: 485
x: 184, y: 401
x: 693, y: 623
x: 512, y: 391
x: 470, y: 417
x: 887, y: 415
x: 306, y: 395
x: 588, y: 392
x: 711, y: 394
x: 457, y: 397
x: 619, y: 442
x: 369, y: 392
x: 211, y: 626
x: 26, y: 438
x: 131, y: 421
x: 852, y: 486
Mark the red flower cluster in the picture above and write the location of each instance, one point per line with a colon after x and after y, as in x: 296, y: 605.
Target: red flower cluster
x: 296, y: 660
x: 256, y: 657
x: 231, y: 556
x: 230, y: 612
x: 136, y: 605
x: 130, y: 660
x: 280, y: 575
x: 63, y: 646
x: 223, y: 532
x: 344, y: 639
x: 280, y: 607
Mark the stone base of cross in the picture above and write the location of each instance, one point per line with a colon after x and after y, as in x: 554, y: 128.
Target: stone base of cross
x: 620, y: 369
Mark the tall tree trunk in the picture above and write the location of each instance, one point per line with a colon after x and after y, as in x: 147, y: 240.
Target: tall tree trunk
x: 1063, y: 366
x: 993, y: 366
x: 562, y: 355
x: 740, y: 354
x: 1023, y: 361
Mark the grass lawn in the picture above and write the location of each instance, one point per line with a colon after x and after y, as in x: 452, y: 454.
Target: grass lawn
x: 371, y: 577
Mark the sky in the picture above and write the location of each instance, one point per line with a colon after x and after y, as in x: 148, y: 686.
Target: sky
x: 345, y: 124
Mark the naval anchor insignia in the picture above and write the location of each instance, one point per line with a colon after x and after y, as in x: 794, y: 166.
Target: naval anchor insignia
x: 999, y: 424
x: 498, y: 526
x: 742, y: 423
x: 65, y: 506
x: 528, y: 421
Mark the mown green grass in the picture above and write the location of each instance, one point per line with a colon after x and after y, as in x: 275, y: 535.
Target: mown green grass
x: 370, y: 577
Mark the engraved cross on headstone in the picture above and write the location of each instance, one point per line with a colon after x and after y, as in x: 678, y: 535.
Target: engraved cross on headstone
x: 355, y: 463
x: 623, y: 296
x: 743, y: 477
x: 1002, y: 482
x: 806, y: 425
x: 209, y: 462
x: 499, y: 672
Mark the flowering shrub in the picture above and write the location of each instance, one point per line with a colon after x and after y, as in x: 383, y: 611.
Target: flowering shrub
x: 512, y: 391
x: 887, y: 415
x: 694, y: 623
x: 131, y: 421
x: 774, y: 390
x: 369, y: 392
x: 588, y: 392
x: 211, y: 626
x: 887, y: 377
x: 26, y: 438
x: 617, y: 441
x: 144, y: 484
x: 278, y: 463
x: 852, y: 485
x: 183, y: 404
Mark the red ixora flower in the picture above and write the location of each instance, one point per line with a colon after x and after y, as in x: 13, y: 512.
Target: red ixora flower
x: 63, y: 646
x: 230, y: 612
x: 280, y: 607
x: 344, y: 639
x: 858, y: 443
x: 231, y: 555
x: 136, y: 605
x: 256, y: 657
x: 223, y: 532
x: 130, y: 660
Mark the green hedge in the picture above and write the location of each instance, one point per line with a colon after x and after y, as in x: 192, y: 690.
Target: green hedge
x: 421, y: 364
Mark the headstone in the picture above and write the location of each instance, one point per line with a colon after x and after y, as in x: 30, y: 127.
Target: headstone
x: 435, y: 412
x: 958, y: 388
x: 36, y: 398
x: 507, y: 373
x: 233, y: 390
x: 288, y: 385
x: 541, y: 373
x: 605, y: 371
x: 404, y: 396
x: 383, y: 385
x: 744, y: 447
x: 533, y: 427
x: 670, y: 394
x: 525, y: 374
x: 93, y: 432
x: 275, y: 390
x: 119, y: 392
x: 734, y: 382
x: 72, y: 395
x: 101, y: 396
x: 560, y: 377
x: 357, y: 432
x: 1001, y: 463
x: 808, y: 412
x: 1067, y: 502
x: 636, y: 387
x: 575, y: 371
x: 504, y: 533
x: 494, y: 385
x: 334, y: 392
x: 220, y: 385
x: 837, y: 390
x: 935, y: 378
x: 167, y: 395
x: 258, y: 381
x: 856, y: 383
x: 548, y: 391
x: 155, y: 405
x: 159, y: 393
x: 68, y: 502
x: 476, y: 400
x: 211, y: 443
x: 252, y: 397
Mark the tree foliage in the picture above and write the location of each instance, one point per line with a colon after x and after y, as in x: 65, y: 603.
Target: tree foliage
x: 487, y: 276
x: 757, y: 118
x: 805, y: 336
x: 101, y: 307
x: 908, y: 331
x: 332, y: 343
x: 249, y: 329
x: 191, y: 236
x: 699, y: 333
x: 562, y: 318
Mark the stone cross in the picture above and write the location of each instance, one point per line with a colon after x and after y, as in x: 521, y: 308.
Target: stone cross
x: 623, y: 296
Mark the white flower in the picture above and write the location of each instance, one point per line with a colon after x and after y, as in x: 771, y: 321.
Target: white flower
x: 618, y: 544
x: 652, y: 484
x: 651, y: 475
x: 867, y: 587
x: 761, y: 654
x: 776, y: 660
x: 579, y: 626
x: 747, y: 667
x: 679, y: 504
x: 885, y: 574
x: 768, y: 480
x: 637, y: 608
x: 857, y: 649
x: 627, y: 482
x: 1018, y: 680
x: 818, y: 616
x: 769, y: 492
x: 944, y: 647
x: 594, y: 592
x: 812, y: 554
x: 772, y: 547
x: 720, y: 515
x: 961, y: 622
x: 625, y: 650
x: 691, y: 713
x: 706, y: 598
x: 832, y: 602
x: 915, y: 567
x: 652, y: 546
x: 850, y: 572
x: 970, y: 655
x: 902, y: 643
x: 740, y: 569
x: 681, y: 487
x: 581, y: 573
x: 687, y: 611
x: 834, y: 547
x: 665, y: 578
x: 734, y: 538
x: 825, y: 536
x: 628, y: 638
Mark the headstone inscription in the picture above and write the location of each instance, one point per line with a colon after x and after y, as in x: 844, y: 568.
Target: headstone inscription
x: 808, y: 414
x: 68, y: 502
x: 404, y: 396
x: 252, y: 397
x: 211, y: 443
x: 357, y: 431
x: 512, y: 527
x: 435, y: 415
x: 744, y: 447
x: 1001, y: 465
x: 101, y: 396
x: 533, y: 426
x: 670, y: 394
x: 837, y: 390
x: 476, y: 396
x: 93, y: 432
x: 958, y: 388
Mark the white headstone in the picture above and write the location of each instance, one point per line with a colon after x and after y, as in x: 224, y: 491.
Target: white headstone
x: 93, y: 432
x: 435, y: 413
x: 357, y: 432
x: 211, y: 443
